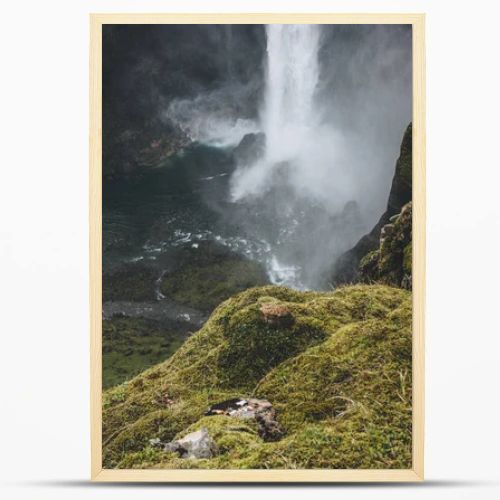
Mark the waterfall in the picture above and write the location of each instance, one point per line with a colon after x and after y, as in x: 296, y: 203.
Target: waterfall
x: 288, y: 118
x: 290, y: 123
x: 292, y: 76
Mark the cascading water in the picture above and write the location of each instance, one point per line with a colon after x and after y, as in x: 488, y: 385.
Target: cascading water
x: 289, y: 122
x: 286, y: 200
x: 288, y: 118
x: 292, y: 76
x: 310, y: 183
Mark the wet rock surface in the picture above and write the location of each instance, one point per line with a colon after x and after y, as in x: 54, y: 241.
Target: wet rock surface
x: 250, y: 149
x: 260, y: 410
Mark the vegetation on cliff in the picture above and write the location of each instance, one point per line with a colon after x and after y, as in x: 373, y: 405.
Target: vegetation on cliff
x: 336, y: 367
x: 391, y: 263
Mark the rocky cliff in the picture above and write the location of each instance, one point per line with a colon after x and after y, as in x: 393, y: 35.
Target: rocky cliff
x: 391, y: 262
x: 346, y: 269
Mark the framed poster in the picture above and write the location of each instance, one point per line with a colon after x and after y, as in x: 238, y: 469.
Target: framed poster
x: 257, y: 247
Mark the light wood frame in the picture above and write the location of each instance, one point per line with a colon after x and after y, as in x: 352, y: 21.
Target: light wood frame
x: 95, y: 212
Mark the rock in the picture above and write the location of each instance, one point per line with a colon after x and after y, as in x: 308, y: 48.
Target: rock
x: 225, y: 407
x: 368, y: 267
x: 131, y: 147
x: 401, y: 187
x: 250, y: 149
x: 269, y: 428
x: 197, y: 444
x: 346, y: 268
x: 261, y: 410
x: 276, y: 315
x: 391, y: 262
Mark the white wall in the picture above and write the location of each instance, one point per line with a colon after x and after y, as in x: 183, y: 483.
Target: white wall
x: 44, y: 448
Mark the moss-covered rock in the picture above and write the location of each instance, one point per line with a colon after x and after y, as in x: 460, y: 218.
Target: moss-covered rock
x: 392, y: 262
x: 339, y: 378
x: 368, y: 267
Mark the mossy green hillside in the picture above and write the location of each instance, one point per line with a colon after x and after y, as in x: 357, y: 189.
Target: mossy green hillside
x: 339, y: 379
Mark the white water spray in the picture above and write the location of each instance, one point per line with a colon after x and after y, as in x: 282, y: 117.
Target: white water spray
x: 289, y: 118
x: 292, y: 76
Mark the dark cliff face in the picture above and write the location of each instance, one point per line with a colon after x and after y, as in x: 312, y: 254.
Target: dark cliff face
x: 145, y: 67
x: 346, y: 269
x: 401, y: 182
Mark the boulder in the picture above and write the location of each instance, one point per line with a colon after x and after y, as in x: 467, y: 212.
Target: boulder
x: 250, y: 149
x: 197, y: 444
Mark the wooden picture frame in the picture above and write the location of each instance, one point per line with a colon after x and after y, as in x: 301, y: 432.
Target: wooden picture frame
x: 311, y: 475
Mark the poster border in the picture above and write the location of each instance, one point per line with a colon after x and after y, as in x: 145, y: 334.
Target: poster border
x: 416, y: 473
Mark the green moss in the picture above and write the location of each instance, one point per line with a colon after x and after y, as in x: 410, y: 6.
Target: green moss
x: 251, y: 347
x: 147, y: 458
x: 369, y: 267
x: 205, y: 286
x: 359, y: 387
x: 134, y: 282
x: 407, y: 258
x: 391, y: 262
x: 130, y: 345
x: 339, y: 379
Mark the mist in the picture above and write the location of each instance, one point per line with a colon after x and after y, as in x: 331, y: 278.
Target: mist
x: 334, y: 104
x: 320, y: 111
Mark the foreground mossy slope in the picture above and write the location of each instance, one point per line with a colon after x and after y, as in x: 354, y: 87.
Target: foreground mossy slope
x: 339, y: 378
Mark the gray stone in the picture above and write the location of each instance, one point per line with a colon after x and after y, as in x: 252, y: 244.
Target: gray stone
x: 250, y: 149
x: 197, y: 444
